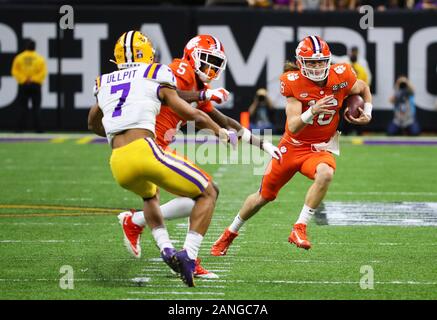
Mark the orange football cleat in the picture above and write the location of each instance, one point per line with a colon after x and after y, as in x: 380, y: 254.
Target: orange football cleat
x: 221, y: 246
x: 201, y: 272
x: 298, y: 236
x: 131, y: 232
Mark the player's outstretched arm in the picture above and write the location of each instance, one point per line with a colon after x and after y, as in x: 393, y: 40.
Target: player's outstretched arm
x: 186, y: 112
x: 95, y: 121
x: 219, y: 95
x: 361, y: 88
x: 243, y: 133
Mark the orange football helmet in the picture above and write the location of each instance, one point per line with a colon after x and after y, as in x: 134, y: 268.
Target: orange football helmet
x: 206, y: 56
x: 313, y: 58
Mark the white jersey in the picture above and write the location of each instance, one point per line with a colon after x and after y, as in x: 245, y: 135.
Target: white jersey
x: 129, y: 98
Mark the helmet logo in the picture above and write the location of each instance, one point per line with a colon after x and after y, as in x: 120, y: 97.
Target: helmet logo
x: 193, y: 43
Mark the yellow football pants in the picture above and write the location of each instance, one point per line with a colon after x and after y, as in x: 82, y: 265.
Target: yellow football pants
x: 142, y: 165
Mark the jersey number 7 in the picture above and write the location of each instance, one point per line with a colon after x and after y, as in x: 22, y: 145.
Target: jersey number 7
x: 125, y: 87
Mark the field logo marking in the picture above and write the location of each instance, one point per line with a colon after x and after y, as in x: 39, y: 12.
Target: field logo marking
x: 66, y: 282
x: 402, y: 213
x: 367, y: 280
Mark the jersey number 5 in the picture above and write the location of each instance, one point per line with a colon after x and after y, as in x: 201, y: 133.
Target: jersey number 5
x: 125, y: 87
x: 182, y: 68
x: 324, y: 118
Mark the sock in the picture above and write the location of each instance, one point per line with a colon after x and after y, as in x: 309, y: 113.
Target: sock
x: 236, y: 224
x: 177, y: 208
x: 192, y: 244
x: 138, y: 218
x: 305, y: 215
x: 161, y: 237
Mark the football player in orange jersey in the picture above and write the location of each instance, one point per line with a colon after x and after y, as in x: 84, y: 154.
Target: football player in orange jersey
x: 204, y: 60
x: 315, y: 94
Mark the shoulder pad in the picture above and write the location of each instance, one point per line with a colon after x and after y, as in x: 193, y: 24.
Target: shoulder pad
x: 160, y: 73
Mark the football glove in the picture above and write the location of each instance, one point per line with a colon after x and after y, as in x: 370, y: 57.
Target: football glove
x: 219, y: 95
x: 272, y: 150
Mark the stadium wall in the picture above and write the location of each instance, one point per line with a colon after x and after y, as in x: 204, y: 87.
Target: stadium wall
x: 257, y: 43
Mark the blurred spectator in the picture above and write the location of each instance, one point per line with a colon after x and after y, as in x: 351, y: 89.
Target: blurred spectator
x: 404, y: 120
x: 345, y: 5
x: 282, y: 4
x: 359, y: 69
x: 426, y: 4
x: 379, y: 5
x: 354, y: 57
x: 360, y: 66
x: 261, y: 111
x: 29, y: 69
x: 301, y: 5
x: 259, y: 3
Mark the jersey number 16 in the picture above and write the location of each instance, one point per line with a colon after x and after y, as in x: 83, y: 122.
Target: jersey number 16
x: 324, y: 118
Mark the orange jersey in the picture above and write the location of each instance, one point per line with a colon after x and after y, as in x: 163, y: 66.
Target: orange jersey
x: 168, y: 122
x: 341, y: 79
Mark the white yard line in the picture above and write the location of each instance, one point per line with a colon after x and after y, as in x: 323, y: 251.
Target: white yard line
x: 327, y: 282
x: 176, y: 293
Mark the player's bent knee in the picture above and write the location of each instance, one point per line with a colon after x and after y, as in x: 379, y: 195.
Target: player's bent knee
x: 325, y: 174
x: 210, y: 192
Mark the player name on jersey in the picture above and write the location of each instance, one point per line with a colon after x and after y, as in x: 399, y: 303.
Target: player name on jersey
x: 121, y: 76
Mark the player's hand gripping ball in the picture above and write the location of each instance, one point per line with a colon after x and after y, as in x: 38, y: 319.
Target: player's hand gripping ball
x: 352, y: 104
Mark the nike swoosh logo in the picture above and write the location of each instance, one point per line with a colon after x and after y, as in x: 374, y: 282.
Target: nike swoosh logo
x: 297, y: 236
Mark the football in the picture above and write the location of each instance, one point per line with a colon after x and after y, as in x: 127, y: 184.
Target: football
x: 352, y: 103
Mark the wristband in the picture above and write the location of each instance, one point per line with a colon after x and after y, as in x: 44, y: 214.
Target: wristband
x: 307, y: 116
x: 368, y: 109
x: 247, y: 135
x: 202, y: 94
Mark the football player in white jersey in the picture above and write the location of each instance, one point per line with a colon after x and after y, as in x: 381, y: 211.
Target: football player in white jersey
x: 128, y: 101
